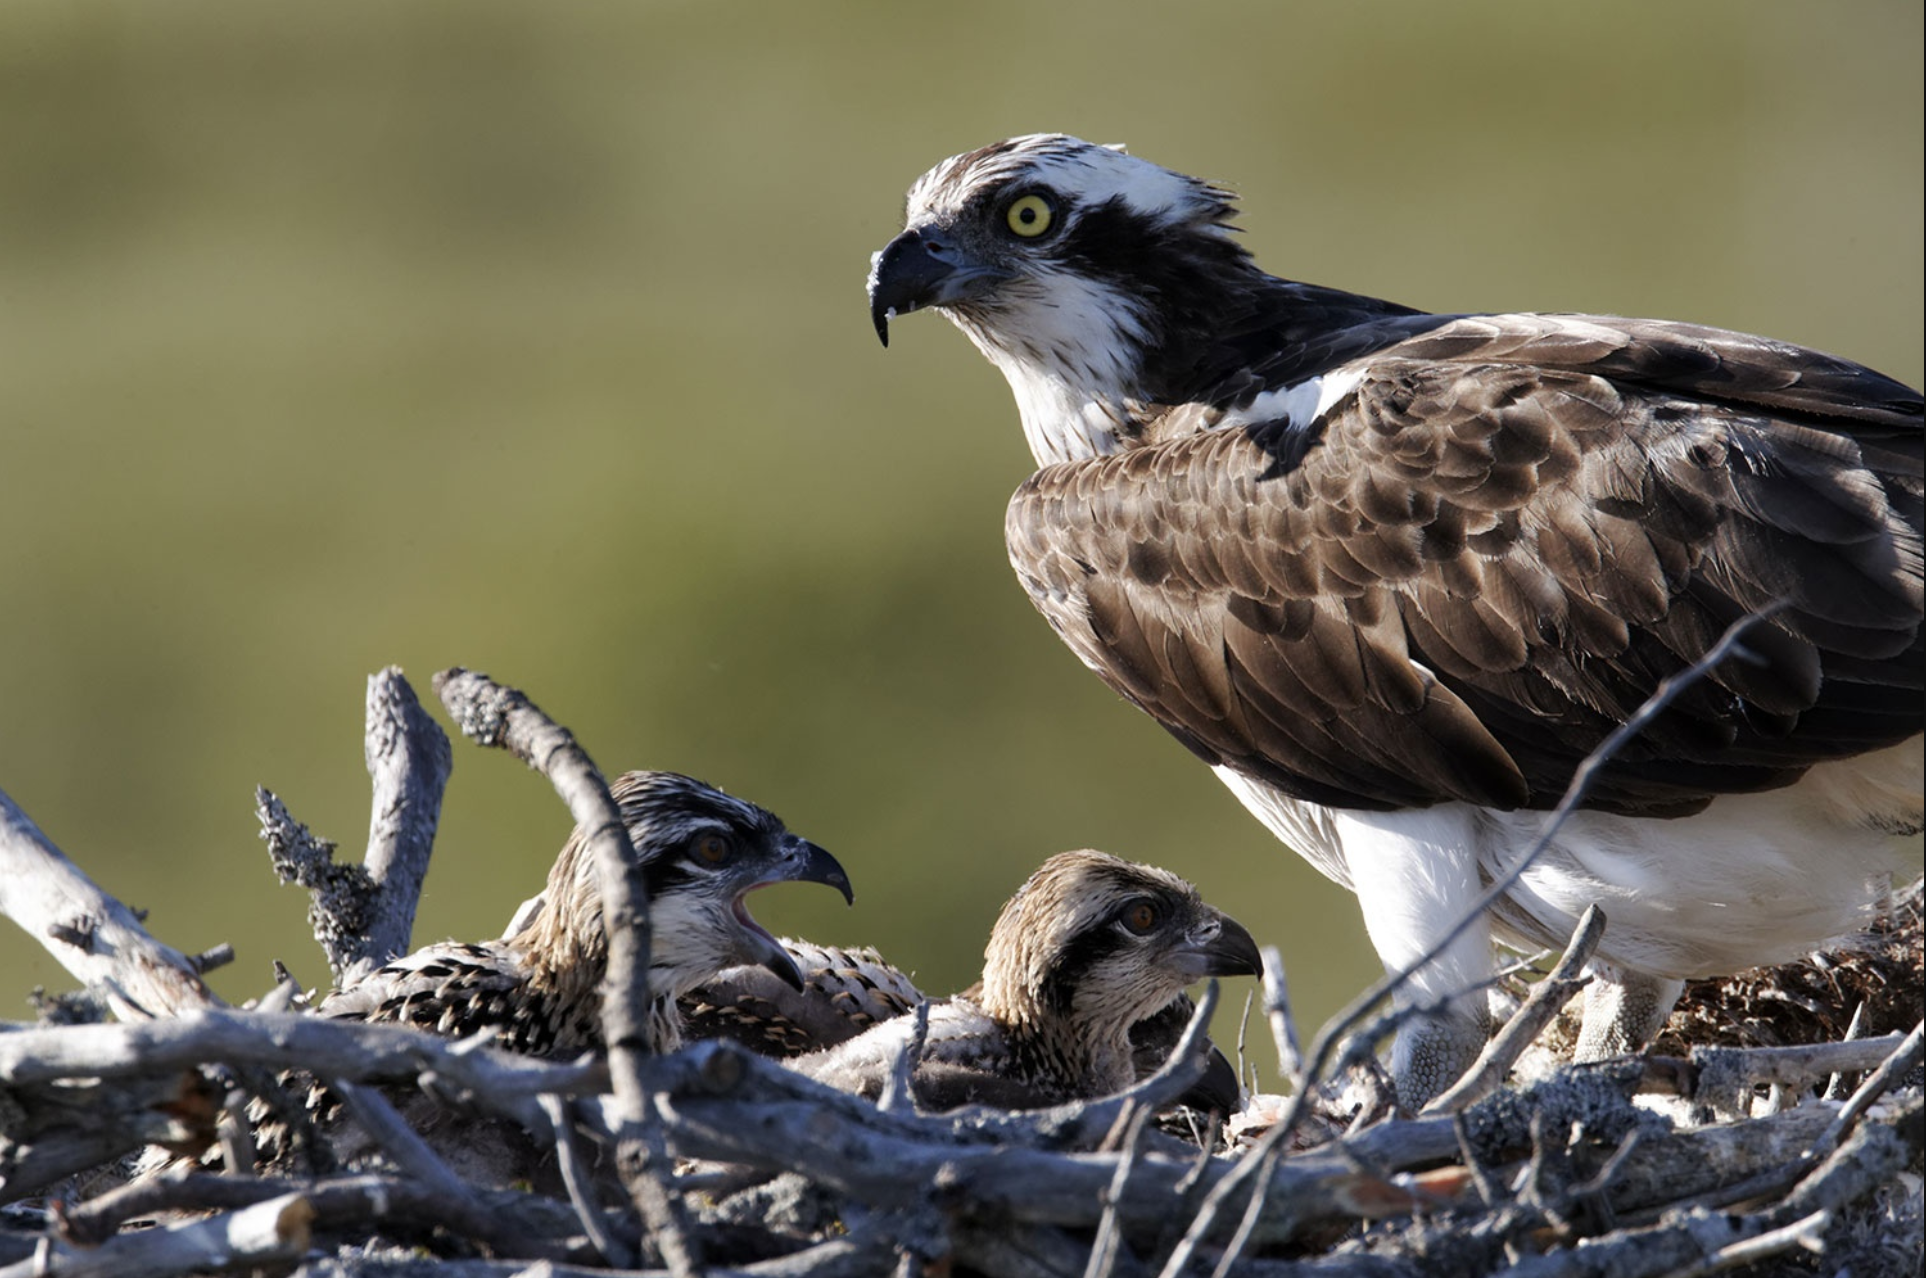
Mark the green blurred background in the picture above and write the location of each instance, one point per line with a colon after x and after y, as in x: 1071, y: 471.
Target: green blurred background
x: 532, y: 338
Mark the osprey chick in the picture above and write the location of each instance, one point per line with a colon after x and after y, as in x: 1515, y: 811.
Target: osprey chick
x: 1393, y: 575
x: 1088, y: 947
x: 538, y: 990
x: 846, y: 992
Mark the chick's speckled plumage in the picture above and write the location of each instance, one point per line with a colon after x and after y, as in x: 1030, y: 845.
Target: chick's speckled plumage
x: 845, y: 991
x: 1089, y: 947
x: 537, y: 991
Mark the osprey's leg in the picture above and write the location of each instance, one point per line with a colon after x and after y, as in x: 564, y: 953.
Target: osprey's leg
x: 1623, y: 1011
x: 1416, y: 875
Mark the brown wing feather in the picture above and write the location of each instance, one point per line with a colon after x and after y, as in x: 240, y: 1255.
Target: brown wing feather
x: 1501, y: 541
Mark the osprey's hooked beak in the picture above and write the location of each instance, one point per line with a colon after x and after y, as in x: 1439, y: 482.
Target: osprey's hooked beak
x: 820, y: 867
x: 804, y: 862
x: 1220, y: 947
x: 919, y: 268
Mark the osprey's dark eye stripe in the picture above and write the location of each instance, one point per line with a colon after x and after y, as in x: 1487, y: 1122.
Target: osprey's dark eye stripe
x: 1030, y: 216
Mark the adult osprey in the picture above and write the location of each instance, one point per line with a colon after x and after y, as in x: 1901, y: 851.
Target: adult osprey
x: 1394, y: 574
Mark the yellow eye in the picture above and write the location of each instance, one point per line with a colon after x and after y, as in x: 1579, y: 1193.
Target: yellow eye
x: 1140, y: 916
x: 712, y: 849
x: 1030, y: 216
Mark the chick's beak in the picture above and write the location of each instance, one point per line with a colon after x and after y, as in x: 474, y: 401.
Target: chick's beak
x: 818, y: 866
x: 1221, y: 947
x: 802, y: 861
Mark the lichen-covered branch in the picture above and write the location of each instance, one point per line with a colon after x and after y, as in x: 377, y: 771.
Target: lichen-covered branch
x: 364, y: 915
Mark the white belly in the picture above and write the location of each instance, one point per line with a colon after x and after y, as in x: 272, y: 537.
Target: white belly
x: 1753, y: 879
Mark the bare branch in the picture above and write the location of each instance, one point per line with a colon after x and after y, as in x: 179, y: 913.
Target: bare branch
x: 1721, y: 1078
x: 851, y: 1257
x: 495, y: 715
x: 50, y: 1130
x: 1105, y: 1251
x: 275, y: 1230
x: 580, y: 1185
x: 1904, y: 1059
x: 648, y: 1185
x: 509, y: 1221
x: 363, y: 915
x: 1808, y: 1233
x: 398, y: 1141
x: 1544, y: 1002
x: 501, y: 1081
x: 408, y: 761
x: 1277, y: 1010
x: 90, y: 933
x: 341, y: 896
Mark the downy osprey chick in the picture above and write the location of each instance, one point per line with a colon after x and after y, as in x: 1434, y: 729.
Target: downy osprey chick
x: 846, y: 992
x: 1089, y: 946
x: 1393, y: 575
x: 538, y: 990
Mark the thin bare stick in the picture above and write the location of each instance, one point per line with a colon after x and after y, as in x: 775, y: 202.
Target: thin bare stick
x: 1722, y: 1077
x: 1808, y: 1232
x: 397, y: 1140
x: 1109, y: 1240
x: 87, y: 931
x: 1856, y: 1029
x: 500, y: 1081
x: 1905, y: 1057
x: 510, y: 1222
x: 1540, y: 1006
x: 662, y: 1211
x: 579, y: 1184
x: 493, y: 714
x: 1243, y: 1027
x: 899, y: 1089
x: 1277, y: 1010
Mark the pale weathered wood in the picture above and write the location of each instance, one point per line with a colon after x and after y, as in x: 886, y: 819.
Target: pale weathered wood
x: 409, y: 760
x: 275, y: 1230
x: 90, y: 933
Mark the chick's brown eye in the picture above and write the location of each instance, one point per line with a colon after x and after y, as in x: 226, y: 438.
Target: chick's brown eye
x: 1140, y: 916
x: 1030, y: 216
x: 712, y: 849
